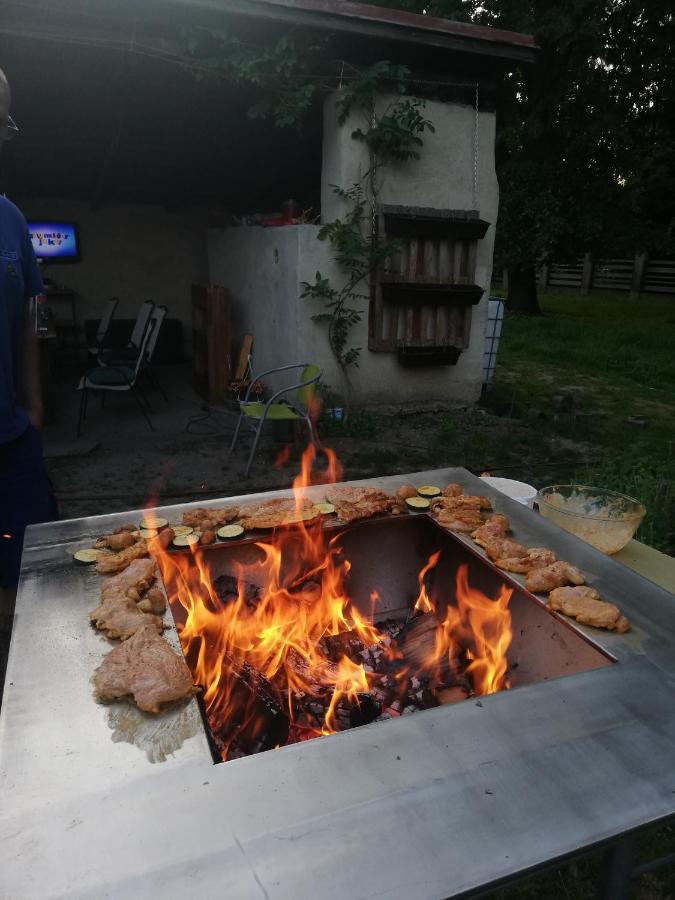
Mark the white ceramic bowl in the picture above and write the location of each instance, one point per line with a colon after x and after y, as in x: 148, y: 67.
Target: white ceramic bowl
x: 516, y: 490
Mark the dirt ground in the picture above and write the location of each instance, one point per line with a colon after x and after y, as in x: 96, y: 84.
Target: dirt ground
x: 118, y: 463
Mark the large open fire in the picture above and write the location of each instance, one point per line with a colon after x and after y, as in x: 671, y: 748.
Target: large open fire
x: 282, y: 654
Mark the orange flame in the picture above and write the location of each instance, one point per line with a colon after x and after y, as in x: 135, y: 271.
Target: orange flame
x: 285, y: 637
x: 481, y: 625
x: 302, y: 600
x: 423, y: 602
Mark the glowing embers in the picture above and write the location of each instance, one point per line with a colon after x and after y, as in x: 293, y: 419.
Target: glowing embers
x: 308, y: 635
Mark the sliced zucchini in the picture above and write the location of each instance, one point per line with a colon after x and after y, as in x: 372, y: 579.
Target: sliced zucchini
x: 87, y: 556
x: 227, y: 532
x: 178, y: 530
x: 154, y: 522
x: 325, y: 508
x: 418, y: 503
x: 428, y: 490
x: 186, y: 540
x: 148, y: 533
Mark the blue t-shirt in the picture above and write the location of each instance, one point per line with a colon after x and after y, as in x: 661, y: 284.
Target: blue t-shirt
x: 19, y: 280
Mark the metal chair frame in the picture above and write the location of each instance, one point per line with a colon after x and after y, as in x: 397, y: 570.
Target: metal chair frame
x: 127, y: 384
x: 298, y: 410
x: 104, y: 325
x: 157, y: 317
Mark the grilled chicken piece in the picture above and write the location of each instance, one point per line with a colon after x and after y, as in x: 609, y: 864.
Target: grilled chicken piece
x: 134, y: 581
x: 352, y: 503
x: 145, y: 668
x: 118, y: 616
x: 405, y: 491
x: 464, y: 501
x: 453, y: 490
x: 110, y: 563
x: 118, y: 541
x: 128, y: 526
x: 504, y: 548
x: 496, y: 526
x: 535, y: 558
x: 586, y: 606
x: 153, y: 602
x: 195, y: 517
x: 463, y: 518
x: 558, y: 574
x: 274, y: 513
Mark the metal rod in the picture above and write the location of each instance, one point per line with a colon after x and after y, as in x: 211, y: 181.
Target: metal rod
x: 617, y: 871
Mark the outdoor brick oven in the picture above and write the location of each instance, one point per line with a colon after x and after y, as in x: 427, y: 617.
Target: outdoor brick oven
x: 441, y: 208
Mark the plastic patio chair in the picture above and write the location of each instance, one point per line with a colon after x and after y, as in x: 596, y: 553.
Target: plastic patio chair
x: 117, y: 378
x: 104, y: 326
x: 260, y: 411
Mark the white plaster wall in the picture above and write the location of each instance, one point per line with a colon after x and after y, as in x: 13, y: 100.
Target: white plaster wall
x: 133, y: 251
x: 265, y: 267
x: 260, y: 267
x: 443, y: 179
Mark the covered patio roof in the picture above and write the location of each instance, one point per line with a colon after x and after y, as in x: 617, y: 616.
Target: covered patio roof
x: 109, y: 111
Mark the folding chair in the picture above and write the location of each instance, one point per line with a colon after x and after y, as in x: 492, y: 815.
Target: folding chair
x: 158, y: 316
x: 259, y: 411
x: 117, y: 378
x: 130, y: 352
x: 104, y: 326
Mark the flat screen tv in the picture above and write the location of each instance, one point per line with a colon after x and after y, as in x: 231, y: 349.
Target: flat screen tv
x: 54, y: 241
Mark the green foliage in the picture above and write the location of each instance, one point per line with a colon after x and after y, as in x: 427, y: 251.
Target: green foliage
x: 282, y: 72
x: 393, y: 135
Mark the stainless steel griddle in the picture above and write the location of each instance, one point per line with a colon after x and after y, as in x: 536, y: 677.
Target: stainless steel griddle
x: 103, y: 801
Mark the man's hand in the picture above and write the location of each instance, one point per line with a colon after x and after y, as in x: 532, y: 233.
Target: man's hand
x: 36, y: 414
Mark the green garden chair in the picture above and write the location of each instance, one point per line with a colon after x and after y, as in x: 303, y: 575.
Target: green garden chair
x: 257, y: 412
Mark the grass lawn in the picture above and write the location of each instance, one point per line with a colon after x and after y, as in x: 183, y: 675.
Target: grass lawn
x: 598, y: 373
x: 579, y: 372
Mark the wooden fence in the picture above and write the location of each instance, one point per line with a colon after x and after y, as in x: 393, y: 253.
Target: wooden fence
x: 585, y: 274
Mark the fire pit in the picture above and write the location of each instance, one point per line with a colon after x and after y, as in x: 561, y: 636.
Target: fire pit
x: 321, y: 630
x: 106, y: 800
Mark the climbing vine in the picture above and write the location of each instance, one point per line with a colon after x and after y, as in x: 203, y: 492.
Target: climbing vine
x: 391, y: 135
x: 285, y: 74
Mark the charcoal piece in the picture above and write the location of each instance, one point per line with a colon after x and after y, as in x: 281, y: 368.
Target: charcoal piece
x: 255, y: 718
x: 348, y: 712
x: 347, y: 643
x: 227, y: 590
x: 366, y: 710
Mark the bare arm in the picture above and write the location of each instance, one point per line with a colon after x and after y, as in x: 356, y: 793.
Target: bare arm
x: 30, y: 375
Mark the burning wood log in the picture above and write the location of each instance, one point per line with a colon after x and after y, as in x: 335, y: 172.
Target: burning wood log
x: 417, y: 644
x: 227, y: 590
x: 254, y: 720
x: 347, y: 643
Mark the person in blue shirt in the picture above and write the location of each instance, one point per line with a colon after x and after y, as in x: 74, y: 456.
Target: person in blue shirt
x: 24, y: 485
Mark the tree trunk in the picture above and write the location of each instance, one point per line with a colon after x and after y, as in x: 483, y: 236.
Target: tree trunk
x: 522, y: 291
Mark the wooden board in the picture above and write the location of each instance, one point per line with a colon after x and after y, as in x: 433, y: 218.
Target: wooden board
x: 211, y: 340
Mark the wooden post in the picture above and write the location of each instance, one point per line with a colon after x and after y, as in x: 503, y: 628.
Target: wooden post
x: 544, y: 272
x: 587, y: 274
x: 505, y: 279
x: 639, y: 269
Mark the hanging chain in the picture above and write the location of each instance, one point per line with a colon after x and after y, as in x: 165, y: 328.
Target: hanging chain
x: 474, y: 193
